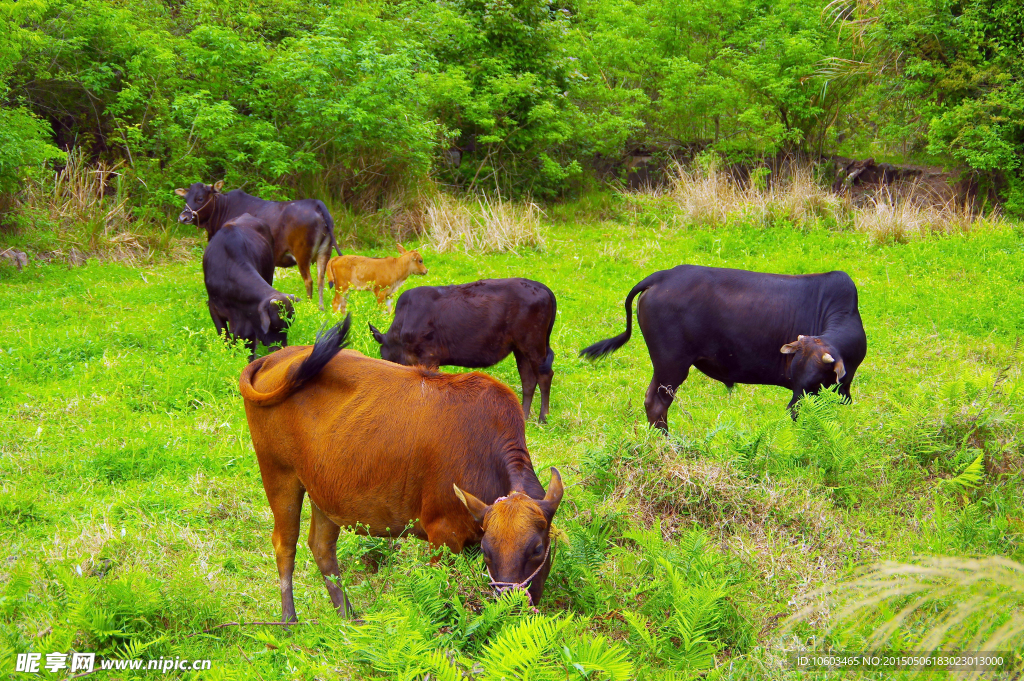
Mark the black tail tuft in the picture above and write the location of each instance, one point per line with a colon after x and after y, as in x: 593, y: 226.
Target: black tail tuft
x: 545, y: 367
x: 328, y: 344
x: 602, y: 348
x: 607, y: 346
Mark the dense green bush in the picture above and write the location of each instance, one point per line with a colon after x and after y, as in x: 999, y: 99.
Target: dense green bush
x: 360, y: 103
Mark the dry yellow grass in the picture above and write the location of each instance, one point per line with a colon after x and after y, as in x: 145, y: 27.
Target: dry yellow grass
x: 709, y: 197
x: 91, y: 210
x: 487, y: 225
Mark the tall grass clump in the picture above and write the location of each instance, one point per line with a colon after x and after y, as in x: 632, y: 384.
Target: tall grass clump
x: 709, y: 197
x: 89, y: 209
x: 896, y: 216
x: 706, y: 196
x: 486, y: 225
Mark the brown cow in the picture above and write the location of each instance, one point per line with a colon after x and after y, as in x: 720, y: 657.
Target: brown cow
x: 380, y: 447
x: 383, y: 275
x: 303, y: 231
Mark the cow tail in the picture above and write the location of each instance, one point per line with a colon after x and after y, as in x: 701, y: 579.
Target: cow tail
x: 328, y: 344
x: 549, y: 360
x: 609, y: 345
x: 329, y: 222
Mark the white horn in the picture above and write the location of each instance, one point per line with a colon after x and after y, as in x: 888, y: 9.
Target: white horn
x: 827, y: 358
x: 799, y: 338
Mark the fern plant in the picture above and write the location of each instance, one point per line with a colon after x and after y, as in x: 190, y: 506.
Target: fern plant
x: 821, y: 435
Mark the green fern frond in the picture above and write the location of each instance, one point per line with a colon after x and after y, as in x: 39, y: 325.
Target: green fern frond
x: 969, y: 477
x: 519, y: 650
x: 640, y: 626
x: 600, y: 659
x: 495, y: 614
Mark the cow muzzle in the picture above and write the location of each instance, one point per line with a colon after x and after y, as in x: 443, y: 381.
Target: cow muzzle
x: 524, y: 585
x: 186, y: 217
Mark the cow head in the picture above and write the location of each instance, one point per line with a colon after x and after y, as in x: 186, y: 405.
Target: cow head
x: 815, y: 363
x: 413, y: 259
x: 517, y: 537
x: 276, y: 313
x: 394, y: 350
x: 199, y: 199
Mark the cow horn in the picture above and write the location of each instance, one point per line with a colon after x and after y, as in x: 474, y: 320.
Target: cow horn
x: 554, y: 495
x: 476, y: 508
x: 827, y: 358
x: 799, y: 338
x: 377, y: 335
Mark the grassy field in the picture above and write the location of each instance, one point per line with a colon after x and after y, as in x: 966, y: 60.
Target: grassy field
x: 134, y: 521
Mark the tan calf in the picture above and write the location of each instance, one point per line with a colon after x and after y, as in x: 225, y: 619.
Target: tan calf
x: 382, y: 275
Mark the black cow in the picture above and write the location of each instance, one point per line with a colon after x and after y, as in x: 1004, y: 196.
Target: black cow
x: 477, y: 325
x: 238, y: 267
x: 301, y: 231
x: 799, y: 332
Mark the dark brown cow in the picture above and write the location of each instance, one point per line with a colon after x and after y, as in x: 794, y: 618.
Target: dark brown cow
x: 380, y: 447
x: 238, y: 270
x: 475, y: 326
x: 302, y: 231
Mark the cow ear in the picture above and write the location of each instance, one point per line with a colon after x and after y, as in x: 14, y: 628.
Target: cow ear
x: 553, y: 497
x: 476, y: 508
x: 377, y: 335
x: 840, y: 369
x: 790, y: 348
x: 218, y: 185
x: 401, y: 249
x: 181, y: 192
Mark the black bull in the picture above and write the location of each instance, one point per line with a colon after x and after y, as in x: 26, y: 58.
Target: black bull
x: 799, y: 332
x: 302, y: 231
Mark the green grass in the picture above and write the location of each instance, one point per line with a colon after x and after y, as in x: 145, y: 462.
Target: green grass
x: 132, y: 514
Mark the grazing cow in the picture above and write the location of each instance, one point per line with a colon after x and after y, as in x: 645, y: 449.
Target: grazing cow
x: 238, y: 267
x: 302, y: 231
x: 391, y: 450
x: 383, y: 275
x: 477, y: 325
x: 799, y: 332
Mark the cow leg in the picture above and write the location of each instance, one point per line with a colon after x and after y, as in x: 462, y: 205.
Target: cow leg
x: 382, y: 293
x: 442, y: 533
x: 323, y: 542
x: 285, y: 497
x: 660, y: 394
x: 340, y: 297
x: 307, y: 279
x: 545, y: 393
x: 321, y: 271
x: 528, y: 376
x: 219, y: 322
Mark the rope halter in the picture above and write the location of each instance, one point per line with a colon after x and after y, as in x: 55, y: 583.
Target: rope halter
x: 502, y: 587
x: 195, y: 211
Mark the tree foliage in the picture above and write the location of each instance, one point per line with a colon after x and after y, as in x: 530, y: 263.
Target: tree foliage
x: 523, y: 96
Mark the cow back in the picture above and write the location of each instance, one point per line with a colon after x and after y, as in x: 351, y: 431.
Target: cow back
x: 380, y: 444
